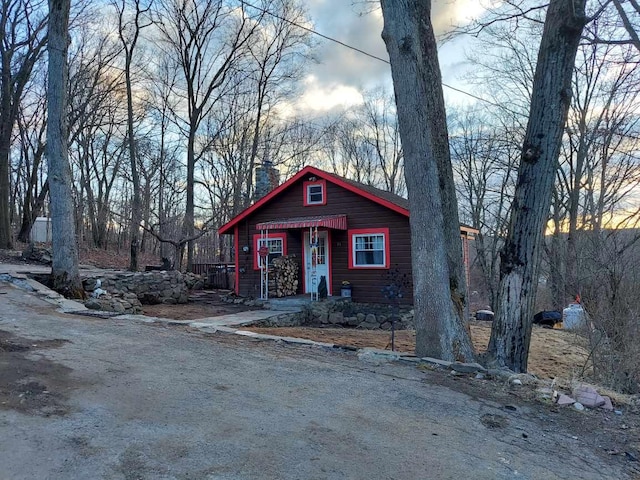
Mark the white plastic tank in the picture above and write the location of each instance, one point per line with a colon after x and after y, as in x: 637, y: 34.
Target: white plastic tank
x: 573, y: 316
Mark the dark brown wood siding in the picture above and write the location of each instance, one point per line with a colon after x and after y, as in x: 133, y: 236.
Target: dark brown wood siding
x: 361, y: 213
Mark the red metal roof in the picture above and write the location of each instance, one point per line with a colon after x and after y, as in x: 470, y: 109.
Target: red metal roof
x: 339, y: 222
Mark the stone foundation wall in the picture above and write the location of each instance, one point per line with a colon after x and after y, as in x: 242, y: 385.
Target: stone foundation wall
x: 358, y: 315
x: 127, y: 292
x: 293, y: 319
x: 337, y: 312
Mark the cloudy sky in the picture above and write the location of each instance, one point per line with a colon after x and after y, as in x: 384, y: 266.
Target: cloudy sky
x: 342, y: 74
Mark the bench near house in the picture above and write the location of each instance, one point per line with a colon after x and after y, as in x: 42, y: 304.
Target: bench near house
x: 338, y: 228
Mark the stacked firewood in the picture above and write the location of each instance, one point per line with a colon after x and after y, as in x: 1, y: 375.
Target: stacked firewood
x: 283, y: 276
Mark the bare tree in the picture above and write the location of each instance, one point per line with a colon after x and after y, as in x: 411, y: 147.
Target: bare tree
x: 249, y: 127
x: 274, y: 58
x: 129, y: 32
x: 32, y: 132
x: 629, y: 11
x: 603, y: 114
x: 364, y: 143
x: 23, y: 28
x: 439, y: 286
x: 380, y: 123
x: 65, y: 276
x: 162, y: 106
x: 603, y: 86
x: 484, y: 154
x: 609, y: 286
x: 97, y: 127
x: 206, y: 40
x: 520, y: 257
x: 349, y: 149
x: 100, y: 153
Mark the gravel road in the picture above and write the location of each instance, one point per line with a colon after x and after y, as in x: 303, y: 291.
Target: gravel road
x: 86, y: 398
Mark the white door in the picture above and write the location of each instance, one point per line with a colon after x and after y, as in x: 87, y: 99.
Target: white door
x: 314, y: 271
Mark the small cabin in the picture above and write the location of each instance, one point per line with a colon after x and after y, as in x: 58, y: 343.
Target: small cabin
x: 354, y: 235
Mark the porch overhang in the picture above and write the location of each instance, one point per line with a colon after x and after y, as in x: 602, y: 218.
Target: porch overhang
x: 337, y: 222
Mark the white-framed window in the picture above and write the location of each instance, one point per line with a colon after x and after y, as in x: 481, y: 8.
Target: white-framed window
x: 369, y: 248
x: 315, y: 193
x: 275, y: 242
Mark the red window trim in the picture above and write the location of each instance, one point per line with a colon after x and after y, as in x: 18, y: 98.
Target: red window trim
x: 257, y: 236
x: 305, y: 192
x: 369, y: 231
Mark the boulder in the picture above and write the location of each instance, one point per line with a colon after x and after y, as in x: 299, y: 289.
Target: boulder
x: 565, y: 400
x: 352, y: 321
x: 588, y: 396
x: 93, y: 304
x: 607, y: 405
x: 37, y: 254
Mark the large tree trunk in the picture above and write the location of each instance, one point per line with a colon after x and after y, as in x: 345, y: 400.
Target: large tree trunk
x: 188, y: 228
x: 136, y: 203
x: 6, y: 240
x: 129, y: 45
x: 64, y: 270
x: 7, y: 120
x: 520, y: 257
x: 439, y: 285
x: 557, y: 257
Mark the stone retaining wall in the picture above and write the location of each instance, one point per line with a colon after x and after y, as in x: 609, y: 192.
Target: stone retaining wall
x: 127, y: 292
x: 337, y: 312
x: 358, y: 315
x: 285, y: 319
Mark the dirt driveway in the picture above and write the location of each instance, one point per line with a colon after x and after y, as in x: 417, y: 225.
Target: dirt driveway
x: 120, y: 400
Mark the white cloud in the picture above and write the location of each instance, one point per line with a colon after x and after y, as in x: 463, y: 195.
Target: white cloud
x: 341, y: 73
x: 320, y: 97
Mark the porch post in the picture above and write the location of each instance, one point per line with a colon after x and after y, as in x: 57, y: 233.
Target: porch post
x: 313, y: 250
x: 264, y: 265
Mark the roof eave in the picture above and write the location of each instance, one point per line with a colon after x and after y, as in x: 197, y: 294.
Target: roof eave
x: 227, y: 227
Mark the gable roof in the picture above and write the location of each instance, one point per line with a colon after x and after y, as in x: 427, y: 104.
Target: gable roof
x: 397, y: 200
x: 387, y: 199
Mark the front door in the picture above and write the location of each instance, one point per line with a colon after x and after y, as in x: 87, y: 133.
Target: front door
x: 315, y: 270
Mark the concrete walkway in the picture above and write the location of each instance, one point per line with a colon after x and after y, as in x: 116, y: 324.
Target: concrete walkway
x: 209, y: 323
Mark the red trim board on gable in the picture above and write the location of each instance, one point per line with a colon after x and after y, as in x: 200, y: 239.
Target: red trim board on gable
x: 225, y: 229
x: 370, y: 196
x: 273, y: 193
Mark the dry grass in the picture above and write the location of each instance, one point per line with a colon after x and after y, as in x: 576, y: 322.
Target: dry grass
x: 553, y: 354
